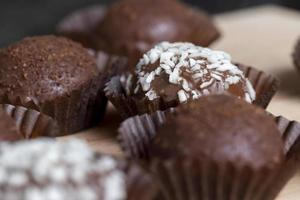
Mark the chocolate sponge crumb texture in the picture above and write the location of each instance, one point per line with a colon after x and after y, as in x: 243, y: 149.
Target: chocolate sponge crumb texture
x: 171, y: 74
x: 211, y: 175
x: 56, y: 77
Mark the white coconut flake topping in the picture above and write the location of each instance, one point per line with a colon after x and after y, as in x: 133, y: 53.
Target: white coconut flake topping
x: 47, y: 170
x: 205, y: 68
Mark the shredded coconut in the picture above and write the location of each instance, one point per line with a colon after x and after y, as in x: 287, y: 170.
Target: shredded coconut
x: 47, y: 170
x: 204, y: 66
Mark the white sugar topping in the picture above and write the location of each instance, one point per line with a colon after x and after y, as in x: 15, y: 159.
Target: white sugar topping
x: 204, y: 66
x: 47, y: 170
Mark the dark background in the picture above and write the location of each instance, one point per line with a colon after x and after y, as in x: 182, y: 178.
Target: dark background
x: 20, y: 18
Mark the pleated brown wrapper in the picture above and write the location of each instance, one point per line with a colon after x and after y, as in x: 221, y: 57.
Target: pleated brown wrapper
x: 118, y: 90
x: 69, y: 113
x: 29, y: 123
x: 187, y: 179
x: 140, y: 185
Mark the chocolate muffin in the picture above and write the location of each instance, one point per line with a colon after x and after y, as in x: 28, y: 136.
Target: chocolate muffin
x: 55, y: 76
x: 296, y: 55
x: 221, y: 128
x: 217, y: 148
x: 131, y: 27
x: 44, y: 169
x: 8, y: 128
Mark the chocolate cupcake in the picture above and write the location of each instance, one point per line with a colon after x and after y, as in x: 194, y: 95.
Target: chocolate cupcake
x: 296, y: 55
x: 44, y: 169
x: 56, y: 77
x: 174, y: 73
x: 216, y: 148
x: 131, y: 27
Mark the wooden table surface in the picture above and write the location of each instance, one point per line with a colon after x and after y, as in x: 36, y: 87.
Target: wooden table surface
x: 263, y: 37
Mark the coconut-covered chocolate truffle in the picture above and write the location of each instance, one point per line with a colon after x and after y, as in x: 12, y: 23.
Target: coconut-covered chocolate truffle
x: 8, y: 128
x: 131, y: 27
x: 55, y: 76
x: 181, y: 72
x: 296, y: 55
x: 44, y: 169
x: 222, y: 128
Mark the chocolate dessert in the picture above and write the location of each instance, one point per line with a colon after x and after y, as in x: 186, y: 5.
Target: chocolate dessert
x: 215, y: 148
x: 222, y: 128
x: 55, y: 76
x: 174, y: 73
x: 131, y: 27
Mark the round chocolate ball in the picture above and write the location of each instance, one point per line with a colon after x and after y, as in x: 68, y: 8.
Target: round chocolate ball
x: 296, y: 55
x: 220, y: 128
x: 44, y: 169
x: 43, y: 68
x: 181, y: 72
x: 131, y: 27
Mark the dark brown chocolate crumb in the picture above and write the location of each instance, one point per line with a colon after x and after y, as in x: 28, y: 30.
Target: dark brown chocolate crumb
x: 45, y: 67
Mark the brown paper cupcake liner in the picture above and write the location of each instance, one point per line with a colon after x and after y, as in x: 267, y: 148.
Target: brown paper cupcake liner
x: 31, y: 123
x: 81, y: 108
x: 137, y: 133
x: 140, y: 185
x: 118, y: 91
x: 184, y: 179
x: 9, y: 131
x: 264, y: 84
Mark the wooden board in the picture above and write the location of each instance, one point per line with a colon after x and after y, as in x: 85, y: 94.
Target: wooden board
x: 263, y: 37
